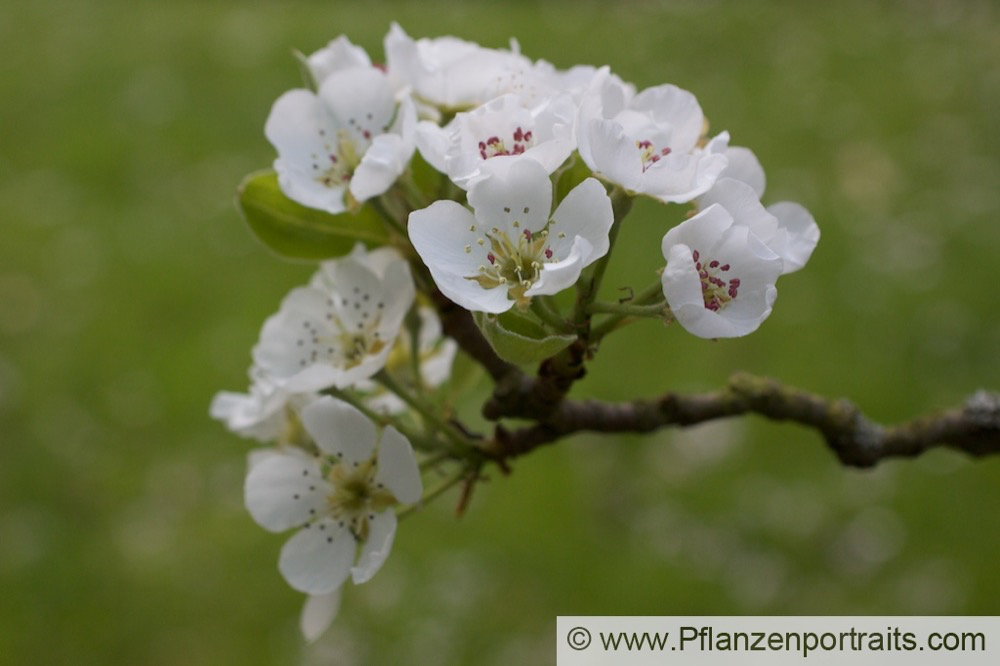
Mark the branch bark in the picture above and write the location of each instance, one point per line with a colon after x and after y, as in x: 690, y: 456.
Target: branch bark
x: 973, y: 427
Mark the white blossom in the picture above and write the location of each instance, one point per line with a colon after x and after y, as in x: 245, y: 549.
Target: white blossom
x: 650, y: 143
x: 512, y: 248
x: 341, y: 328
x: 342, y: 500
x: 266, y: 413
x: 451, y: 74
x: 348, y: 139
x: 338, y: 55
x: 501, y: 130
x: 719, y: 279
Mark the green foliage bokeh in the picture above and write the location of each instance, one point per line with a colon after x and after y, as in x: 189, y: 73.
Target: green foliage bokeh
x: 131, y: 291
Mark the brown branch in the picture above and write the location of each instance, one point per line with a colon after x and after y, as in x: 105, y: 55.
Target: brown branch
x: 856, y: 440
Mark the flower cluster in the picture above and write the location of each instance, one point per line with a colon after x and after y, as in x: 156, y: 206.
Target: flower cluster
x: 497, y: 183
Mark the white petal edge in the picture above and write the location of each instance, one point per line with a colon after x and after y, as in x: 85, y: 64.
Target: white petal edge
x: 318, y: 558
x: 339, y: 429
x: 318, y: 614
x: 375, y: 550
x: 397, y: 467
x: 284, y: 491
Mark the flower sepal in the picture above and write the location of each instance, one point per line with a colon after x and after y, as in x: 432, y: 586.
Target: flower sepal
x: 518, y: 339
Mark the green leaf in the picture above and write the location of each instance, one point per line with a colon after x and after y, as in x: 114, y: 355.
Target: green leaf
x: 297, y: 232
x: 570, y: 176
x: 518, y: 339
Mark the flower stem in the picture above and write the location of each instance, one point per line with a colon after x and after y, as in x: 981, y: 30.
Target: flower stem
x: 627, y: 309
x: 415, y: 438
x: 425, y: 410
x: 545, y: 309
x: 652, y: 293
x: 382, y: 206
x: 435, y: 492
x: 621, y: 204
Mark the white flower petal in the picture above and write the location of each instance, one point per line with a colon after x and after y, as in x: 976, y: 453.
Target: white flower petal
x: 613, y: 154
x: 440, y: 234
x: 729, y: 253
x: 375, y: 549
x: 318, y: 558
x: 680, y: 177
x: 361, y: 101
x: 397, y: 467
x: 434, y: 143
x: 586, y: 212
x: 743, y: 165
x: 516, y: 198
x: 742, y: 202
x: 338, y: 55
x: 339, y: 429
x: 318, y: 614
x: 675, y: 109
x: 284, y: 491
x: 802, y: 230
x: 558, y: 275
x: 381, y: 165
x: 296, y: 128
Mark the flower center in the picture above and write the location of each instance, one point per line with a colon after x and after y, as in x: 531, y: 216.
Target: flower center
x: 650, y: 155
x: 493, y: 146
x: 716, y: 291
x: 338, y: 343
x: 342, y: 158
x: 516, y: 265
x: 357, y: 497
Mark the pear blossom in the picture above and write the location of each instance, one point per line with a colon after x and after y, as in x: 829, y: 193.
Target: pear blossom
x: 338, y: 55
x: 649, y: 143
x: 720, y: 277
x: 349, y: 140
x: 341, y: 500
x: 501, y: 130
x: 268, y: 412
x: 451, y: 74
x: 511, y: 248
x: 785, y: 227
x: 341, y: 328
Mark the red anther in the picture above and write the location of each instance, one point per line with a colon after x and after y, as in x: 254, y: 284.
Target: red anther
x: 518, y: 135
x: 548, y: 253
x: 724, y: 267
x: 713, y: 264
x: 492, y: 140
x: 527, y: 136
x: 527, y: 234
x: 518, y: 149
x: 482, y: 145
x: 366, y: 134
x: 482, y: 153
x: 735, y: 282
x: 665, y: 152
x: 491, y: 258
x: 695, y: 255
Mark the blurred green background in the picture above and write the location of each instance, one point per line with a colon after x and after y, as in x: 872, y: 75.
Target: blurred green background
x: 130, y: 292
